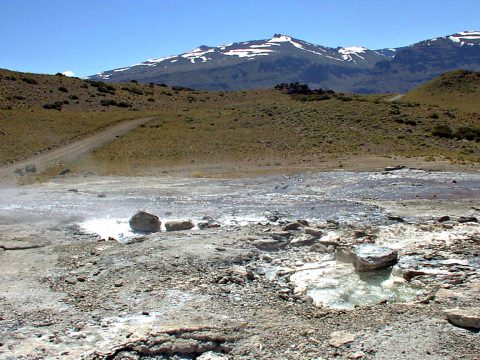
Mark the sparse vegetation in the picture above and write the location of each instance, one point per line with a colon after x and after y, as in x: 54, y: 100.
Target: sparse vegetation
x: 57, y: 105
x: 133, y: 90
x: 209, y: 127
x: 29, y: 81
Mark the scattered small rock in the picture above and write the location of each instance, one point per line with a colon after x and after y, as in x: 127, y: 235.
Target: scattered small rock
x: 32, y: 169
x: 268, y: 245
x: 64, y: 172
x: 443, y: 219
x: 394, y: 168
x: 302, y: 241
x: 292, y: 226
x: 340, y: 338
x: 395, y: 218
x: 135, y: 240
x: 281, y: 235
x: 179, y: 225
x: 466, y: 219
x: 313, y: 232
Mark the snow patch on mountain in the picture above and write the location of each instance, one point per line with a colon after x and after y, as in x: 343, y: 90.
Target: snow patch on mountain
x: 347, y: 52
x: 198, y: 53
x: 161, y: 59
x: 248, y: 52
x: 465, y: 37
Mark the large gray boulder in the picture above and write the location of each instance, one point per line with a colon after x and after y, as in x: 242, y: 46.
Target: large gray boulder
x: 145, y: 223
x: 179, y: 225
x: 367, y: 257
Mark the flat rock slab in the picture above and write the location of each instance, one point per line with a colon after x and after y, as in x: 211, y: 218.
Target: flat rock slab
x: 464, y: 317
x: 369, y: 257
x: 268, y: 245
x: 22, y: 244
x: 340, y: 338
x: 179, y: 225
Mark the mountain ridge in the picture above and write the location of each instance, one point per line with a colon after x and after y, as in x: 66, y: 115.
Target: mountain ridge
x: 282, y: 58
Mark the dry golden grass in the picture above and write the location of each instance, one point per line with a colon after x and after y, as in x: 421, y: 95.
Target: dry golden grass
x: 208, y: 128
x: 456, y: 90
x: 23, y: 132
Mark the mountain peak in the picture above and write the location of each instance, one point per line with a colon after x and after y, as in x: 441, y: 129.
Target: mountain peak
x: 280, y: 38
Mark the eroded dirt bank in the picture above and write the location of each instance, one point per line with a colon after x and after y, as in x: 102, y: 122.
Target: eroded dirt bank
x: 249, y: 289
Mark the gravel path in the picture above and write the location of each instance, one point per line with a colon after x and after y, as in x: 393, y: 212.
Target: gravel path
x: 71, y: 151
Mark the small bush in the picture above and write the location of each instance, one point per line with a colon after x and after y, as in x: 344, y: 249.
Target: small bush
x: 443, y: 131
x: 133, y: 90
x: 102, y: 87
x: 315, y: 97
x: 151, y: 99
x: 124, y: 104
x: 134, y: 81
x: 63, y: 89
x: 181, y: 88
x: 73, y: 97
x: 106, y: 102
x: 468, y: 133
x: 106, y: 89
x: 433, y: 116
x: 57, y: 105
x: 29, y: 81
x: 411, y: 122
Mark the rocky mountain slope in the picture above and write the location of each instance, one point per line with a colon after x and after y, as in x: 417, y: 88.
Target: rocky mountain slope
x: 265, y: 63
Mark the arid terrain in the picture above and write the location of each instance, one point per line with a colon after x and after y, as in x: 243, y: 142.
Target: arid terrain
x: 340, y: 226
x: 77, y: 282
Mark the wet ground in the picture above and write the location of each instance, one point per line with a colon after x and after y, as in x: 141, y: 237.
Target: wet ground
x: 235, y: 291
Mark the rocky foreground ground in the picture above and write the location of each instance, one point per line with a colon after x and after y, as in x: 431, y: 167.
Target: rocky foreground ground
x: 274, y: 289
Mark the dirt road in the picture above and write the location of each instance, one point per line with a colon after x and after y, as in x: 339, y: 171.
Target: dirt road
x: 71, y: 151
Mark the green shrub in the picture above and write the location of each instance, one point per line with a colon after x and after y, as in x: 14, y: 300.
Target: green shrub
x: 124, y: 104
x: 73, y: 97
x: 133, y: 90
x: 57, y: 105
x: 443, y: 131
x: 468, y: 133
x: 106, y: 102
x: 63, y: 89
x: 29, y: 81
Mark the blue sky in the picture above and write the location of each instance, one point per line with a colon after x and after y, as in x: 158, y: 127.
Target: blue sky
x: 88, y: 36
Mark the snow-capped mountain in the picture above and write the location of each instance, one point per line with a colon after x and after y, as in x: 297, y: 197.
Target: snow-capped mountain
x: 282, y: 58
